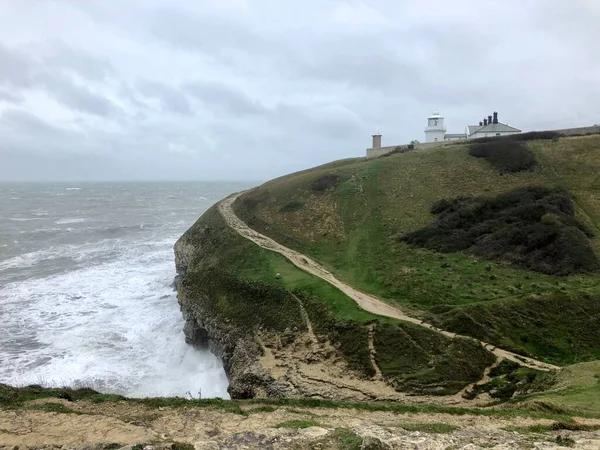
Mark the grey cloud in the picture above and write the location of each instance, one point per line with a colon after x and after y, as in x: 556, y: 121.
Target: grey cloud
x: 11, y: 97
x: 170, y: 98
x: 76, y: 96
x: 61, y: 56
x: 26, y: 133
x: 206, y: 89
x: 205, y: 32
x: 227, y: 99
x: 18, y: 71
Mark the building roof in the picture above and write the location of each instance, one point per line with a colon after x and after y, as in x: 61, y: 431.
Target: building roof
x: 455, y: 135
x: 496, y: 128
x: 474, y: 128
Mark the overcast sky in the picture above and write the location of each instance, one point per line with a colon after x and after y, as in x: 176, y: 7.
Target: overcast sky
x: 252, y: 89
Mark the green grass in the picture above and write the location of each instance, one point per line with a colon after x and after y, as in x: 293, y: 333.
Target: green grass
x: 356, y: 231
x: 343, y: 439
x: 298, y: 424
x: 576, y: 388
x: 14, y: 398
x: 262, y: 409
x: 52, y: 407
x: 182, y: 446
x: 556, y: 426
x: 533, y: 410
x: 430, y: 427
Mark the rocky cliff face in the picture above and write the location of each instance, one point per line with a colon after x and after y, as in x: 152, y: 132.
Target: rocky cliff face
x: 237, y: 348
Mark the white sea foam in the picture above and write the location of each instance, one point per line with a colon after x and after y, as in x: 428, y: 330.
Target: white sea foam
x: 77, y: 253
x: 73, y: 189
x: 70, y: 220
x: 114, y: 326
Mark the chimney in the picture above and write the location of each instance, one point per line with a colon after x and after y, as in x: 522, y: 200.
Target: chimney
x: 376, y: 141
x: 484, y: 122
x: 490, y: 120
x: 480, y: 123
x: 495, y: 117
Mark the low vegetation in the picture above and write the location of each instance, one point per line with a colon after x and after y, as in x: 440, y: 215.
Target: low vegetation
x: 52, y: 407
x: 575, y: 388
x: 532, y: 227
x: 11, y: 398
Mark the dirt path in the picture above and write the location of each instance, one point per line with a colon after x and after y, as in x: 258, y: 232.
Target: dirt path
x: 373, y: 352
x: 307, y: 321
x: 367, y: 302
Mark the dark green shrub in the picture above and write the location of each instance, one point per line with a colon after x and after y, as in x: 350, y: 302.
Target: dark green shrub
x: 504, y: 368
x: 524, y: 137
x: 533, y: 227
x: 181, y: 446
x: 325, y: 182
x: 504, y: 155
x: 291, y: 207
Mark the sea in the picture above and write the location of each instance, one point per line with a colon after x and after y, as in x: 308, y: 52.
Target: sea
x: 86, y: 296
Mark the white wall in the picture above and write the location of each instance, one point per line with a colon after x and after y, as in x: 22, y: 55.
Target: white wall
x: 493, y: 134
x: 432, y: 135
x: 454, y: 138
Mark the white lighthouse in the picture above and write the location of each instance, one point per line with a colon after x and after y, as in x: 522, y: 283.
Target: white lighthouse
x: 435, y: 130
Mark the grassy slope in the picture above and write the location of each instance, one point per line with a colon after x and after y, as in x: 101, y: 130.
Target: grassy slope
x: 575, y: 388
x: 234, y: 279
x: 355, y: 230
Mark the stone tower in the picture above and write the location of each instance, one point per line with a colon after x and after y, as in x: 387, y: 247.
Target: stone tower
x: 376, y: 141
x: 435, y: 129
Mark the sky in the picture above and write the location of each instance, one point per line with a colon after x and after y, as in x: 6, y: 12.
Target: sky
x: 253, y: 89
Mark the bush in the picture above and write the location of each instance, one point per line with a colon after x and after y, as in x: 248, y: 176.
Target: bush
x: 325, y: 183
x: 504, y: 155
x: 291, y: 207
x: 533, y: 227
x: 523, y: 137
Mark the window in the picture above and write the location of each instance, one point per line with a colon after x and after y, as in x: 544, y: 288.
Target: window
x: 497, y: 134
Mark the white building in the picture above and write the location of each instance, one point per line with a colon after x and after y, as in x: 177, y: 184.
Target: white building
x: 435, y: 130
x: 489, y: 126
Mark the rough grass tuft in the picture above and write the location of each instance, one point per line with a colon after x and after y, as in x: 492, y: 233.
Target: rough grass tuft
x: 430, y: 427
x: 298, y: 424
x: 53, y: 407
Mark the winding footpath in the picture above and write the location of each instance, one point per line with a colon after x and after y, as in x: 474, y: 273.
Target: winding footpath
x: 367, y: 302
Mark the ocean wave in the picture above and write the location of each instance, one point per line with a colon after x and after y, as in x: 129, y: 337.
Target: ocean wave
x: 73, y: 189
x: 69, y: 220
x: 23, y: 219
x: 115, y: 326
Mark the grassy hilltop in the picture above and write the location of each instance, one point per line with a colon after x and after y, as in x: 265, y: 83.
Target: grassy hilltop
x: 357, y: 217
x: 501, y: 248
